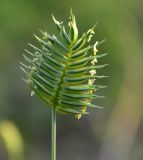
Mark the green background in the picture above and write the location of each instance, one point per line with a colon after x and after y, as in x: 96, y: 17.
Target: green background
x: 114, y: 133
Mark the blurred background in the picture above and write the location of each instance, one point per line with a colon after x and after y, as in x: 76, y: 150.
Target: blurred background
x: 114, y: 133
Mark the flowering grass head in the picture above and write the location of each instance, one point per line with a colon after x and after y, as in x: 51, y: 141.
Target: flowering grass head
x: 62, y: 72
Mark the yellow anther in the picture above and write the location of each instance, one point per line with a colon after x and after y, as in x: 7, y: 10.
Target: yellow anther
x: 94, y: 61
x: 95, y: 50
x: 91, y: 81
x: 92, y: 72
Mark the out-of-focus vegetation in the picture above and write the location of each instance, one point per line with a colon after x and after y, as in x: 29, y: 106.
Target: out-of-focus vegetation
x: 115, y: 133
x: 12, y: 140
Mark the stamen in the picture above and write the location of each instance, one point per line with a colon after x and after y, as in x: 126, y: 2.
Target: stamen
x: 92, y: 72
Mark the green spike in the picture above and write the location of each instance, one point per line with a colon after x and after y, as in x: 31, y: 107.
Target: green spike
x: 30, y: 53
x: 23, y: 70
x: 27, y: 67
x: 61, y: 70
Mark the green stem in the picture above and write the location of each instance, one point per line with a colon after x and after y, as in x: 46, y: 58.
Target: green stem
x: 53, y: 133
